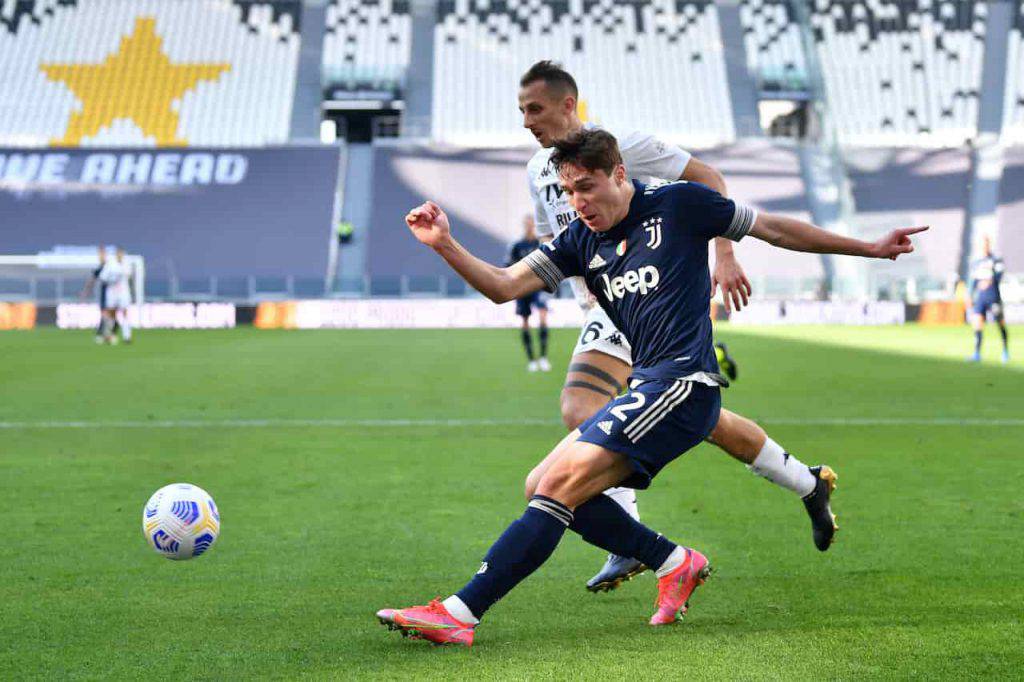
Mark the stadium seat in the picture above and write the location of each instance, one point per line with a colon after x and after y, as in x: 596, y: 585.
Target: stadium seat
x: 901, y: 72
x: 213, y: 72
x: 618, y: 53
x: 367, y: 43
x: 771, y: 36
x: 1013, y: 117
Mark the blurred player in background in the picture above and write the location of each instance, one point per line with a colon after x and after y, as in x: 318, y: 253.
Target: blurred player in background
x: 986, y: 274
x: 602, y: 361
x: 524, y: 306
x: 115, y: 278
x: 101, y: 253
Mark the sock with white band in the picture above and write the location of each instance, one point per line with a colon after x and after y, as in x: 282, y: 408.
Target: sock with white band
x: 674, y: 561
x: 459, y: 610
x: 783, y: 469
x: 522, y: 548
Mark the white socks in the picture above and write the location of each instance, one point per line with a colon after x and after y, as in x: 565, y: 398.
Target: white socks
x: 126, y: 327
x: 783, y: 469
x: 459, y: 610
x: 674, y: 561
x: 625, y: 498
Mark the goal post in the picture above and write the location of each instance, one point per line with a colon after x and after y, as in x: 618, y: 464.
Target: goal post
x: 63, y: 263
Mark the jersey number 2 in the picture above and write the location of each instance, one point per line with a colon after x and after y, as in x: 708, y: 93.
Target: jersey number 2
x: 620, y: 411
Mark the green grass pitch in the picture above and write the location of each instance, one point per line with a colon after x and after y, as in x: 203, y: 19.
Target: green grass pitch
x: 333, y: 507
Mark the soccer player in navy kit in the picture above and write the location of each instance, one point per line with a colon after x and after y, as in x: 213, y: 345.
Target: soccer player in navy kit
x: 526, y: 304
x: 643, y: 251
x: 601, y: 362
x: 986, y: 274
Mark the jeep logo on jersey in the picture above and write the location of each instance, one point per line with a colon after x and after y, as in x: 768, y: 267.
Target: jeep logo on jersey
x: 643, y: 280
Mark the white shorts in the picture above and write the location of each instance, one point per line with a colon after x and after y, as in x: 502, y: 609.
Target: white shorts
x: 599, y: 334
x: 113, y: 299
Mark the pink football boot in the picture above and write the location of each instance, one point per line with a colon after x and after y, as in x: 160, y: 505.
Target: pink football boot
x: 674, y: 589
x: 431, y: 622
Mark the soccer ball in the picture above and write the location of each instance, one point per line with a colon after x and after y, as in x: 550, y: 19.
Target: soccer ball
x: 180, y: 521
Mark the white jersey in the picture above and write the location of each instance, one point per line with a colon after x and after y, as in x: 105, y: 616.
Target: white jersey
x: 647, y: 159
x: 115, y: 276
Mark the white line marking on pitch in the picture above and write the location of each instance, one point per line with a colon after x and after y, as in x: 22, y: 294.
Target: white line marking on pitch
x: 399, y: 423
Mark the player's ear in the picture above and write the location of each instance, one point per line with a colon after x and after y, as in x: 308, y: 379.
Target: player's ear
x: 620, y: 174
x: 569, y: 105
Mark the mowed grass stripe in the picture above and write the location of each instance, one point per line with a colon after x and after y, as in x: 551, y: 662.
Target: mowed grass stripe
x: 461, y: 423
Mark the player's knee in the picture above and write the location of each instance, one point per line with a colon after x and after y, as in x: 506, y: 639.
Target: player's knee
x: 558, y: 482
x: 532, y: 480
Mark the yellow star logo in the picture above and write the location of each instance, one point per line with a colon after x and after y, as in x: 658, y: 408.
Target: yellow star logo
x: 583, y: 110
x: 138, y: 82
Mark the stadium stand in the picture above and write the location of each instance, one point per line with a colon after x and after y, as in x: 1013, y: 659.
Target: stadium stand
x: 147, y: 72
x: 641, y: 65
x: 771, y: 36
x: 901, y: 72
x: 1013, y: 116
x: 366, y: 43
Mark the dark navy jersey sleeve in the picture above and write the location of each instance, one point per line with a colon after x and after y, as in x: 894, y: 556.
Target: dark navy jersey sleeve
x: 708, y: 213
x: 561, y: 257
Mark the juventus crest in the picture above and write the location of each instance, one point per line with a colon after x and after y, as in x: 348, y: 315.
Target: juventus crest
x: 653, y: 228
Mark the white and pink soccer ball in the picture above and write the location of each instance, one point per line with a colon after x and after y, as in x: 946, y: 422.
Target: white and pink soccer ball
x: 180, y: 521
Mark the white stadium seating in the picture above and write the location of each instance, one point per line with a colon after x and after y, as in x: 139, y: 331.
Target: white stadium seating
x: 367, y: 43
x: 652, y: 65
x: 901, y: 72
x: 771, y: 36
x: 1013, y: 116
x: 147, y: 72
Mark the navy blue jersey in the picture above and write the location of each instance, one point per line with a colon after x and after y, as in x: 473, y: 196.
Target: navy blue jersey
x: 986, y: 275
x: 103, y: 285
x: 650, y: 272
x: 521, y: 249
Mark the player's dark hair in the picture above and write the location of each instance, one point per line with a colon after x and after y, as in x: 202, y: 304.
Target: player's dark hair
x: 592, y: 149
x: 553, y: 75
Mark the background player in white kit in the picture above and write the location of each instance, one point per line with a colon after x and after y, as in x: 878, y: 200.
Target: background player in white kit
x: 117, y: 296
x: 602, y: 361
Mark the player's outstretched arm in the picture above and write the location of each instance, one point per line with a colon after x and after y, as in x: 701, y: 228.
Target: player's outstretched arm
x: 796, y: 235
x: 429, y: 225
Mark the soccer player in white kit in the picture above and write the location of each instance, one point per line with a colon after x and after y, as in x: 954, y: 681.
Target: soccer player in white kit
x: 601, y: 362
x: 117, y: 296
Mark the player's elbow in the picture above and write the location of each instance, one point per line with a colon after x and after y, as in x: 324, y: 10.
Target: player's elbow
x: 503, y: 289
x: 768, y: 229
x: 499, y: 295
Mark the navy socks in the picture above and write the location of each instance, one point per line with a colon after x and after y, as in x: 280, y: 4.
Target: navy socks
x: 522, y: 548
x: 602, y: 522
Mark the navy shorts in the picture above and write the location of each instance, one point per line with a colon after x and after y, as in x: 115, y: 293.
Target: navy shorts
x: 525, y: 304
x: 653, y: 423
x: 987, y: 301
